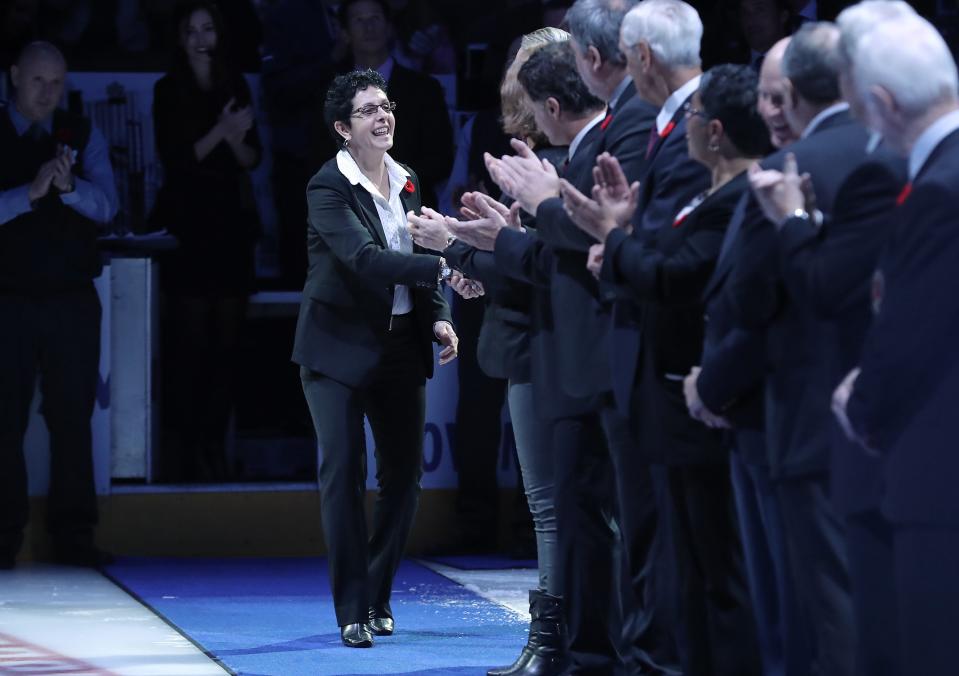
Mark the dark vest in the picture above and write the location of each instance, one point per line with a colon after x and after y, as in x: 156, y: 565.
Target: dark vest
x: 51, y: 248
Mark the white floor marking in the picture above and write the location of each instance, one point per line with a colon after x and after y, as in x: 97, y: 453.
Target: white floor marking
x: 55, y: 618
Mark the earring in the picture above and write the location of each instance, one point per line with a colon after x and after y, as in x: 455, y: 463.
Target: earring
x: 346, y: 143
x: 713, y: 147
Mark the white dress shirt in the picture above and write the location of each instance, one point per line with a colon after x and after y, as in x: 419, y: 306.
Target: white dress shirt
x: 391, y: 212
x: 929, y: 139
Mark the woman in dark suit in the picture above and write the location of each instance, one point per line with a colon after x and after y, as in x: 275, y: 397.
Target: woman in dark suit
x: 371, y: 308
x: 666, y: 271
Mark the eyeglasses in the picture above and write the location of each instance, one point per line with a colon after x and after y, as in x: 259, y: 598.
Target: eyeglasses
x: 370, y: 109
x: 689, y: 111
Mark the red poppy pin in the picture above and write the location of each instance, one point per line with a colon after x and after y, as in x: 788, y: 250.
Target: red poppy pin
x: 409, y: 187
x: 667, y: 130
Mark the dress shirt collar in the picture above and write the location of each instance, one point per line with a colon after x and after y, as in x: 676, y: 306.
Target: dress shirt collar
x: 675, y: 100
x: 929, y: 139
x: 351, y: 170
x: 823, y: 115
x: 574, y: 144
x: 21, y: 124
x: 618, y: 92
x: 875, y: 140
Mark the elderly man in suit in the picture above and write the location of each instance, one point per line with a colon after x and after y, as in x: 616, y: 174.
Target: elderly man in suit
x: 900, y: 401
x: 829, y: 270
x: 801, y: 351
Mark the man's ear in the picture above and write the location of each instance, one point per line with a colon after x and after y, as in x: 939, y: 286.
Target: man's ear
x: 553, y: 108
x: 594, y: 58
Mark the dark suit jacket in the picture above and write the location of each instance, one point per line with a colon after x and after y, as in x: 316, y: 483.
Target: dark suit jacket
x: 801, y: 347
x: 582, y: 318
x: 904, y: 401
x: 666, y: 273
x: 831, y: 270
x: 424, y: 135
x: 670, y: 181
x: 348, y: 298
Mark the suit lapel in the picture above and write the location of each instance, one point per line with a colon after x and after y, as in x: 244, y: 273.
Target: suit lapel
x: 372, y: 217
x: 726, y: 257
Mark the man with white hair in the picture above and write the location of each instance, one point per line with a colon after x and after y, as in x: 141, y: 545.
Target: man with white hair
x: 900, y: 401
x: 710, y: 604
x: 829, y: 269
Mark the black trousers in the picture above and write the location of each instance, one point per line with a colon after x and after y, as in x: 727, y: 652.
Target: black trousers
x: 648, y: 641
x: 362, y: 563
x: 717, y: 630
x: 869, y: 543
x: 816, y: 547
x: 589, y: 545
x: 58, y: 338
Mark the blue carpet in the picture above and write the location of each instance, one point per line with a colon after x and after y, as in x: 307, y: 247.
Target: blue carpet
x: 275, y: 616
x: 482, y: 562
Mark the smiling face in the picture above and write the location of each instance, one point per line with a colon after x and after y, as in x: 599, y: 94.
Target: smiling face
x: 369, y: 130
x: 198, y: 36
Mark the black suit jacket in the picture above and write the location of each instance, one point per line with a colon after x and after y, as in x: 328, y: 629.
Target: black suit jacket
x: 666, y: 273
x: 801, y: 347
x: 670, y: 181
x: 830, y: 270
x: 578, y: 310
x: 904, y: 401
x: 347, y: 301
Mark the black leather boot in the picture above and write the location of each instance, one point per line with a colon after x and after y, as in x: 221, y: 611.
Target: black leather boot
x: 545, y: 651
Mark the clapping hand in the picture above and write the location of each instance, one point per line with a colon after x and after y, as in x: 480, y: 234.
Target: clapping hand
x: 485, y: 218
x: 781, y: 193
x: 235, y: 122
x: 523, y: 176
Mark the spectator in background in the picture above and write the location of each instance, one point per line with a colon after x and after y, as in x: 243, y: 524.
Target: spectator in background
x: 207, y: 142
x: 421, y: 106
x: 298, y: 41
x: 423, y: 40
x: 56, y: 189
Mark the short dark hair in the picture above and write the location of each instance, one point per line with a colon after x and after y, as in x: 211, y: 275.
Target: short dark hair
x: 338, y: 105
x: 728, y: 93
x: 812, y: 62
x: 343, y: 9
x: 551, y: 71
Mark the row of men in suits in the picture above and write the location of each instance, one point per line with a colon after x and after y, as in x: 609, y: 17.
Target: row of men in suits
x: 787, y: 544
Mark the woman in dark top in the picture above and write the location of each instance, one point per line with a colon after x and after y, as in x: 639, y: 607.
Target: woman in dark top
x: 207, y: 142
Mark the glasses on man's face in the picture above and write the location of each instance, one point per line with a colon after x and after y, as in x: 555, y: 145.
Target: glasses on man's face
x: 369, y: 110
x: 689, y: 111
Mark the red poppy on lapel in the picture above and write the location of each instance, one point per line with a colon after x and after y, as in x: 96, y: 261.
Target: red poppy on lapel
x: 667, y: 130
x: 606, y: 121
x: 904, y: 194
x: 409, y: 187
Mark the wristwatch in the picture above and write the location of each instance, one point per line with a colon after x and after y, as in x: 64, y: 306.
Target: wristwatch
x: 444, y: 272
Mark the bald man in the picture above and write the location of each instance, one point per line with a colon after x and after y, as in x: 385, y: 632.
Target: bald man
x: 56, y: 188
